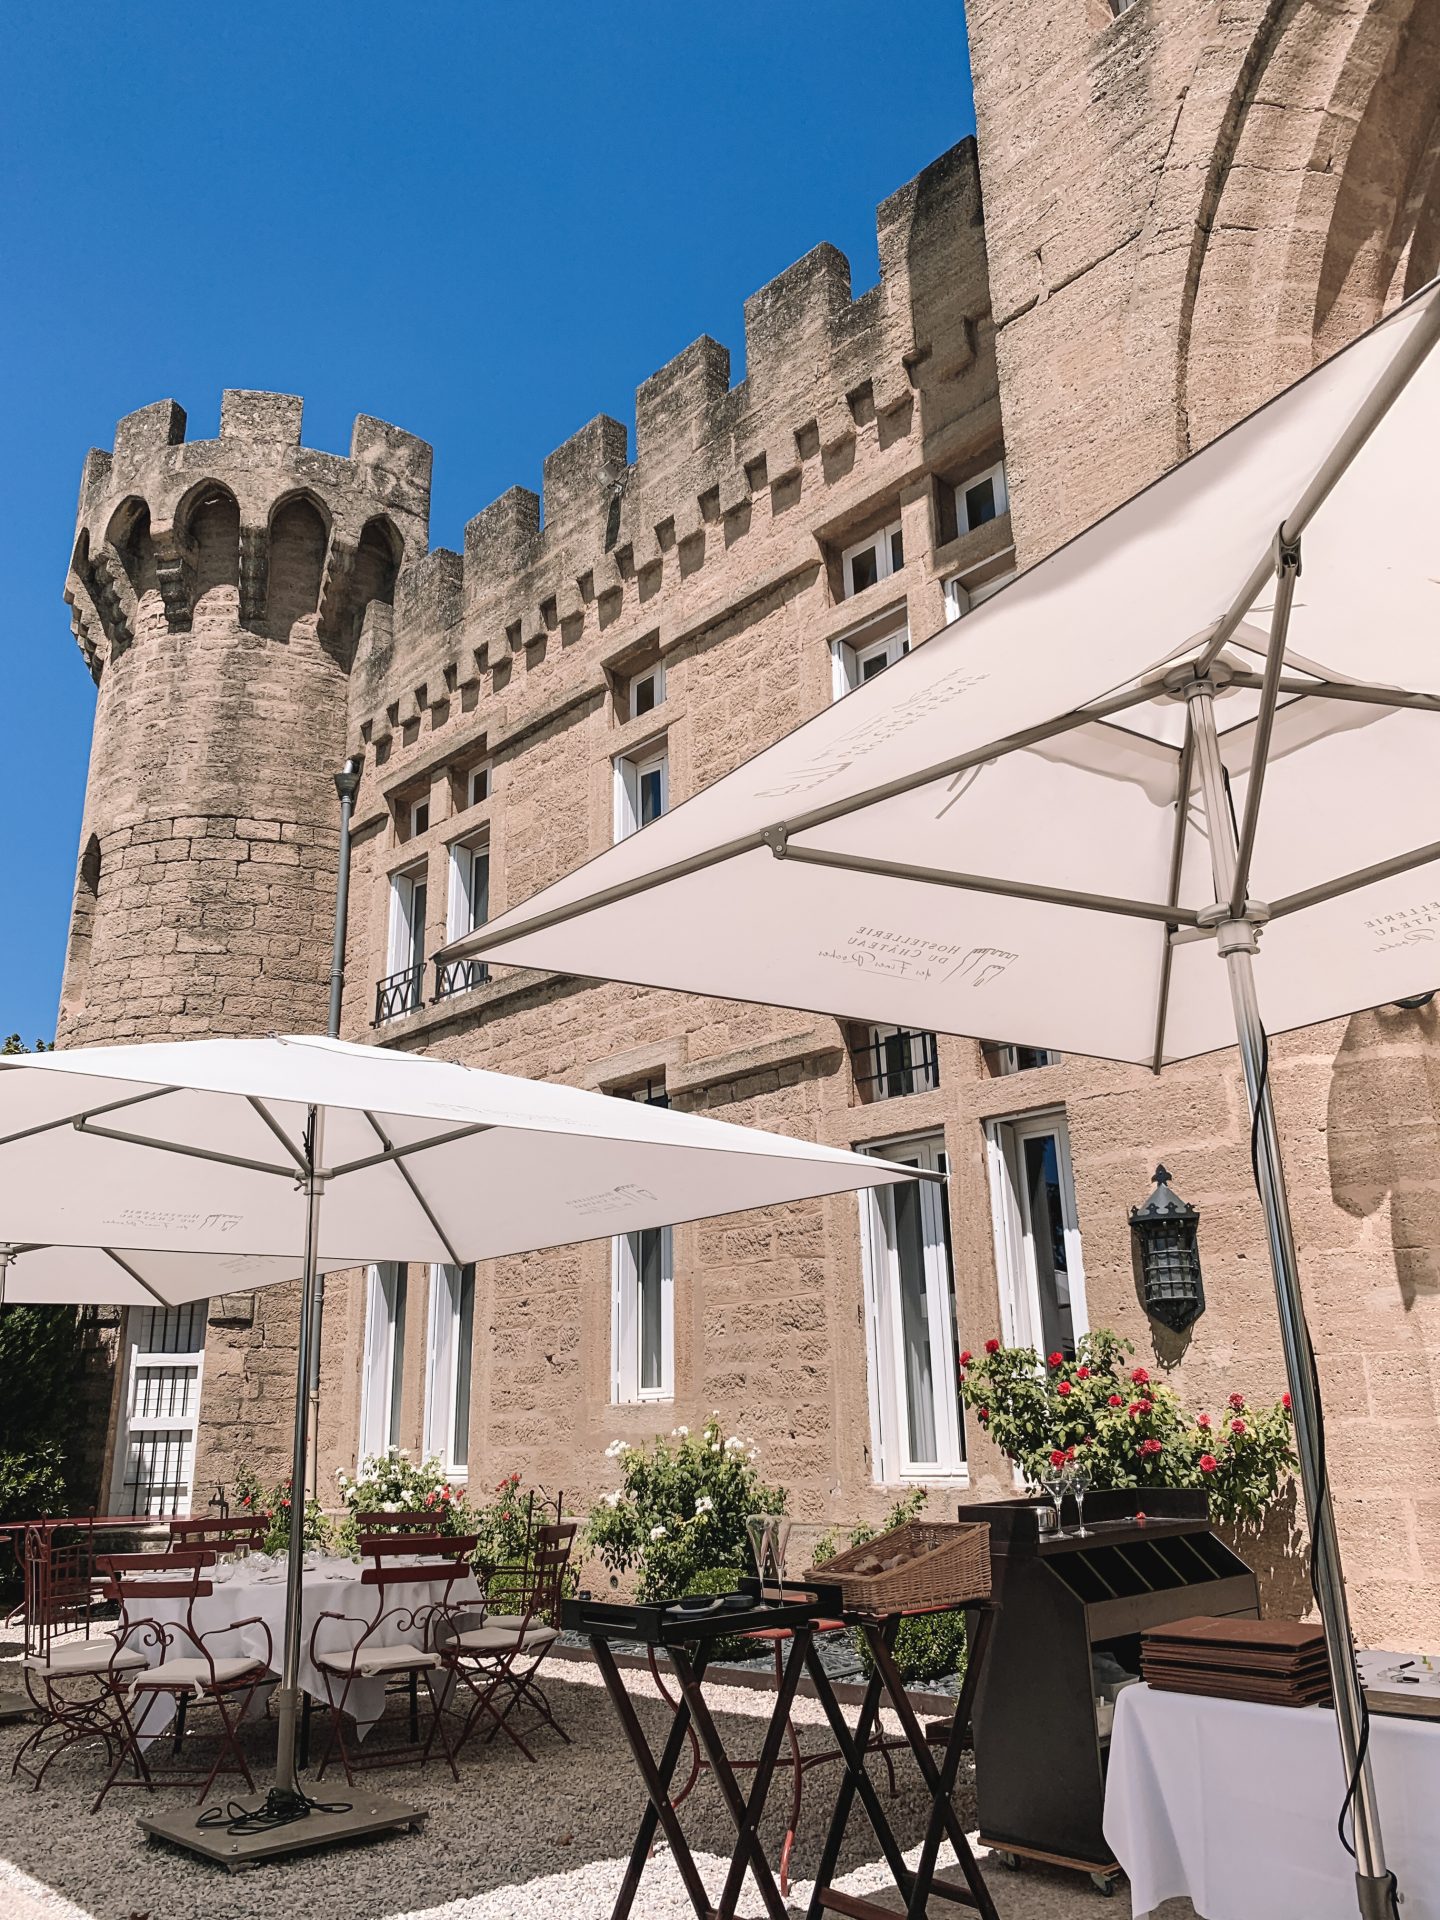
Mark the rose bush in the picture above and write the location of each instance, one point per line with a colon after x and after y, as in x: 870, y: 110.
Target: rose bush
x: 391, y: 1482
x: 251, y: 1497
x: 680, y: 1508
x: 1102, y: 1412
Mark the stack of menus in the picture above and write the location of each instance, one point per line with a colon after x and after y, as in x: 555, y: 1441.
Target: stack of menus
x: 1280, y: 1663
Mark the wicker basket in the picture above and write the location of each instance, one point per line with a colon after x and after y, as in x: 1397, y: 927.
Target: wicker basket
x: 946, y: 1564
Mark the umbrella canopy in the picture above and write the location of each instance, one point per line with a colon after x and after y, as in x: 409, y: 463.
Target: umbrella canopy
x: 60, y: 1276
x: 199, y: 1147
x: 996, y: 836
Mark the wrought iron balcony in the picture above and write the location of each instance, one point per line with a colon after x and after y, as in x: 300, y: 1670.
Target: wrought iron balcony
x: 891, y: 1061
x: 458, y: 976
x: 399, y: 993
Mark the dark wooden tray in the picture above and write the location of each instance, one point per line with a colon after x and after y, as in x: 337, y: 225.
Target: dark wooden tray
x: 653, y: 1624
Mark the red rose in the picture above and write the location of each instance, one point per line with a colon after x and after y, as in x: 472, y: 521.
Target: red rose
x: 1285, y: 1401
x: 430, y: 1499
x: 1057, y: 1457
x: 1237, y: 1426
x: 1148, y: 1447
x: 992, y: 1346
x: 1140, y: 1377
x: 1057, y: 1359
x: 1063, y: 1387
x: 1237, y: 1400
x: 1208, y: 1463
x: 1142, y: 1519
x: 1115, y: 1401
x: 983, y: 1415
x: 1134, y: 1409
x: 966, y: 1358
x: 1203, y: 1421
x: 1082, y: 1373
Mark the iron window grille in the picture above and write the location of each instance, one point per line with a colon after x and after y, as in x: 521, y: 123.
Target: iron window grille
x: 650, y: 1093
x: 889, y: 1062
x: 399, y: 993
x: 458, y: 976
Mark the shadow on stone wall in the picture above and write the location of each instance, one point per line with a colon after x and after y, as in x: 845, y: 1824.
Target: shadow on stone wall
x: 1277, y: 1548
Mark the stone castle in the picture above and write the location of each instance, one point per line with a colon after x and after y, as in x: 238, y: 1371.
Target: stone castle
x: 1183, y: 208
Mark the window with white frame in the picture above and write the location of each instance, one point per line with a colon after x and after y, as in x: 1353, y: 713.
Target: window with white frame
x: 448, y: 1355
x: 469, y: 908
x: 160, y: 1410
x: 962, y: 595
x: 911, y: 1337
x: 642, y: 788
x: 403, y: 988
x: 1004, y: 1058
x: 420, y: 815
x: 383, y: 1373
x: 1037, y: 1232
x: 872, y: 559
x: 981, y: 498
x: 645, y: 690
x: 853, y: 662
x: 642, y: 1316
x: 477, y: 783
x: 891, y: 1061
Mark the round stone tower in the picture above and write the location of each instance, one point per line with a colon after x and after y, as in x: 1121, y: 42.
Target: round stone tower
x: 220, y: 590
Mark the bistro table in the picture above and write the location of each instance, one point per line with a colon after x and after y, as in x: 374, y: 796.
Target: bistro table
x: 1234, y: 1806
x: 254, y: 1588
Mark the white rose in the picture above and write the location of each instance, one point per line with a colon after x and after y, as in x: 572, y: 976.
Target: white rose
x: 657, y: 1533
x: 704, y: 1505
x: 612, y: 1500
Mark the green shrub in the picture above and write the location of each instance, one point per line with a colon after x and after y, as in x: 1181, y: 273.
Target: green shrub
x: 681, y: 1509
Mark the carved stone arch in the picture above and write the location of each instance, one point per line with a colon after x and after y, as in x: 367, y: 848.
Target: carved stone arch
x: 82, y: 928
x: 1309, y: 228
x: 377, y: 563
x: 207, y: 521
x: 299, y: 533
x: 128, y: 536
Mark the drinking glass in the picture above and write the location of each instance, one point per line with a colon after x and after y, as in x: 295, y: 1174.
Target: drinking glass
x: 1079, y: 1486
x: 769, y: 1537
x: 1054, y: 1486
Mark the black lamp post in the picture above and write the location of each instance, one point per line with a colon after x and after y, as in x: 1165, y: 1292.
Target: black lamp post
x: 1168, y: 1232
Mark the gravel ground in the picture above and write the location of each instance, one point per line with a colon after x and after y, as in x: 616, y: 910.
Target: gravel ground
x: 511, y: 1842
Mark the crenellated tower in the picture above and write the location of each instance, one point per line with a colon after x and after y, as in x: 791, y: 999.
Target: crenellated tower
x: 221, y: 591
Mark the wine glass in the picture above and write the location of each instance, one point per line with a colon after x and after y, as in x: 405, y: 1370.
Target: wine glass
x: 1053, y: 1487
x: 1079, y: 1486
x: 769, y: 1537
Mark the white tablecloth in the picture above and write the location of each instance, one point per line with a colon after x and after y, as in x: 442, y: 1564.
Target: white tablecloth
x: 1235, y: 1806
x: 248, y: 1590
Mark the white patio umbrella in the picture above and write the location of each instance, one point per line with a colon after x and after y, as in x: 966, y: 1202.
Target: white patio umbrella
x: 302, y: 1150
x: 61, y: 1276
x: 1160, y: 743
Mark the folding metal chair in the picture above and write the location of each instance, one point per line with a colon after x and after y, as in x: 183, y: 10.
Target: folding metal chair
x: 408, y: 1656
x: 248, y: 1530
x: 502, y: 1655
x: 193, y: 1679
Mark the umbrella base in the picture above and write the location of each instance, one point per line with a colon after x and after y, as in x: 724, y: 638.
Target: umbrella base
x: 367, y: 1815
x: 14, y: 1706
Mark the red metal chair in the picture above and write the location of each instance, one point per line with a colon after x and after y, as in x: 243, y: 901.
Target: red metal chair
x: 195, y: 1678
x: 394, y: 1643
x: 70, y: 1673
x: 503, y: 1653
x: 247, y: 1530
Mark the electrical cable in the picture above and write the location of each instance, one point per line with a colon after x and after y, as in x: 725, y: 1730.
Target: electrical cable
x: 278, y: 1809
x: 1322, y: 1495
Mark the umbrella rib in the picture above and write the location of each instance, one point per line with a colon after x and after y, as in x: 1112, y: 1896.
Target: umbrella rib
x: 419, y: 1198
x: 144, y: 1285
x: 982, y: 883
x: 1349, y: 882
x: 415, y: 1146
x: 70, y: 1119
x: 1177, y: 860
x: 301, y: 1163
x: 85, y: 1126
x: 1376, y: 696
x: 1287, y: 569
x: 1367, y: 417
x: 484, y: 938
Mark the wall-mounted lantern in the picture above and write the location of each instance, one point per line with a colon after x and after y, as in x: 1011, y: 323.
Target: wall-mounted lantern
x: 1168, y: 1232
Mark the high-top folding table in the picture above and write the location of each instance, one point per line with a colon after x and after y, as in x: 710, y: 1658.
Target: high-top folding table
x: 686, y: 1637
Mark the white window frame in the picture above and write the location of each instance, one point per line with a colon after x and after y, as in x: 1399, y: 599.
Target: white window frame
x: 1015, y: 1264
x: 133, y: 1426
x: 916, y: 1064
x: 963, y: 523
x: 655, y: 672
x: 881, y: 544
x: 444, y: 1337
x: 479, y: 775
x: 460, y: 914
x: 849, y: 658
x: 383, y: 1365
x: 961, y: 599
x: 625, y: 1388
x: 1006, y: 1056
x: 402, y: 916
x: 630, y: 770
x: 889, y: 1428
x: 419, y: 815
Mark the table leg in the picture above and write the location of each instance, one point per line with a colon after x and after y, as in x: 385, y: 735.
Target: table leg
x: 657, y: 1786
x: 856, y: 1780
x: 746, y: 1813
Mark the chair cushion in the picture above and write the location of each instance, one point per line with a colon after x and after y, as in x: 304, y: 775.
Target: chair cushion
x: 85, y: 1656
x: 499, y: 1639
x: 402, y: 1657
x: 195, y: 1672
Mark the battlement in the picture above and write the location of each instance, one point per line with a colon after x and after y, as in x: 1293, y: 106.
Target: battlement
x: 175, y: 518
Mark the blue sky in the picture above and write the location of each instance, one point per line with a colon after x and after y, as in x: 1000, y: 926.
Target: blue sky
x: 484, y: 223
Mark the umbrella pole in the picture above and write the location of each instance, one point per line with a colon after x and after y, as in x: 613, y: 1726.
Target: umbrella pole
x: 1236, y: 940
x: 286, y: 1790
